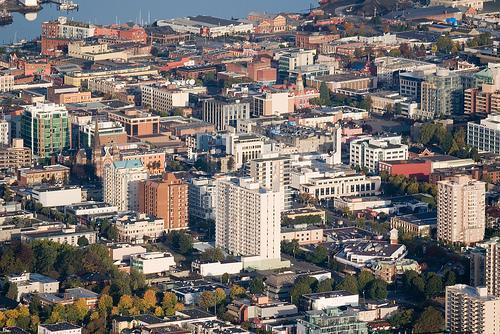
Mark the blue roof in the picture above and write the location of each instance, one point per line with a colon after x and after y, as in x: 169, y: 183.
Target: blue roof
x: 127, y: 164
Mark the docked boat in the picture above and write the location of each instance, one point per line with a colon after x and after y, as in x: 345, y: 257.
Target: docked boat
x: 5, y: 17
x: 68, y: 5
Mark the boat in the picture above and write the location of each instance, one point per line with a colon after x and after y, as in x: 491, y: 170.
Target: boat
x: 67, y: 5
x: 5, y: 17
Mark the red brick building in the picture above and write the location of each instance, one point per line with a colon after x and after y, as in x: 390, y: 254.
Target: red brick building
x: 418, y: 169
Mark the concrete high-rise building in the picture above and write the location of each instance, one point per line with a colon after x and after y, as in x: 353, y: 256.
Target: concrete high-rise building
x: 121, y: 184
x: 273, y: 172
x: 471, y: 310
x: 244, y: 147
x: 248, y: 218
x: 45, y: 129
x: 166, y: 198
x: 461, y: 210
x: 489, y: 265
x: 224, y: 111
x: 441, y: 95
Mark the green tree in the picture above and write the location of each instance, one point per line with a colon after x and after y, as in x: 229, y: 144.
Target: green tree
x: 377, y: 289
x: 225, y: 278
x: 105, y: 305
x: 213, y: 255
x: 325, y: 285
x: 450, y: 278
x: 348, y: 284
x: 430, y: 321
x: 324, y: 94
x: 300, y: 288
x: 82, y: 241
x: 319, y: 255
x: 12, y: 291
x: 401, y: 319
x: 364, y: 278
x: 168, y: 303
x: 433, y: 286
x: 256, y: 285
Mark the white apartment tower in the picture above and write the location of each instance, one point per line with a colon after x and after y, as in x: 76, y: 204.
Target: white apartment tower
x: 248, y: 218
x: 273, y: 172
x: 122, y: 182
x: 471, y: 310
x: 461, y: 210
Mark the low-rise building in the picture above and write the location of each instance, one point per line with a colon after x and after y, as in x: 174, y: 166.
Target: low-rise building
x: 333, y: 320
x: 326, y: 300
x: 217, y: 268
x: 57, y: 196
x: 59, y: 328
x: 152, y: 263
x: 305, y: 235
x: 418, y: 224
x: 15, y: 156
x: 27, y: 283
x: 139, y: 228
x: 369, y: 151
x: 70, y: 236
x: 42, y: 174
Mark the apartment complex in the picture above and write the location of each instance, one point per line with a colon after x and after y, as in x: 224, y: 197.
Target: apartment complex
x: 201, y: 198
x: 6, y: 82
x: 485, y: 96
x: 224, y: 112
x: 486, y: 135
x: 4, y: 132
x: 45, y: 129
x: 441, y: 95
x: 121, y: 184
x: 166, y: 198
x: 485, y: 266
x: 471, y: 310
x: 369, y: 151
x: 461, y: 210
x: 273, y: 173
x: 15, y: 156
x: 248, y: 218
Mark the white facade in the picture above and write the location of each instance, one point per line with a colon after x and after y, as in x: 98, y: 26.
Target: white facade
x: 152, y: 263
x: 248, y: 218
x: 461, y: 210
x: 201, y: 198
x: 486, y: 135
x: 122, y: 252
x: 324, y: 300
x: 59, y: 328
x: 121, y: 184
x: 75, y: 30
x: 138, y: 228
x: 369, y: 151
x: 57, y: 197
x: 162, y: 99
x: 332, y: 185
x: 33, y: 283
x: 6, y: 82
x: 215, y: 269
x: 4, y: 132
x: 244, y: 147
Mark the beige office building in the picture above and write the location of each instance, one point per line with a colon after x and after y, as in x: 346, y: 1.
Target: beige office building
x: 461, y: 210
x: 471, y: 310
